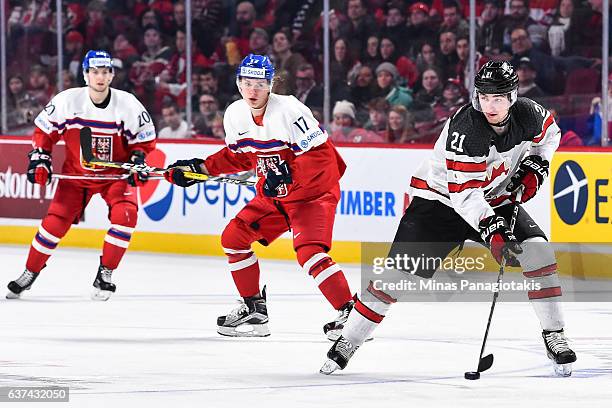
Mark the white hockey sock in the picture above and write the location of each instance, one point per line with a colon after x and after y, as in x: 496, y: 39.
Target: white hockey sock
x: 362, y: 321
x: 549, y: 313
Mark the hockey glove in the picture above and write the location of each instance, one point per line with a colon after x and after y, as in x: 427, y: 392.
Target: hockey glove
x: 501, y: 241
x: 137, y: 178
x: 40, y: 168
x: 175, y: 173
x: 530, y: 175
x: 276, y: 177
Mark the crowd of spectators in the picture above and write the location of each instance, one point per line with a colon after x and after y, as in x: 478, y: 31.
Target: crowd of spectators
x: 399, y: 68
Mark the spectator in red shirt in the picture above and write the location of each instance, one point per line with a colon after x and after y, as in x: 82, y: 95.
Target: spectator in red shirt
x: 405, y: 67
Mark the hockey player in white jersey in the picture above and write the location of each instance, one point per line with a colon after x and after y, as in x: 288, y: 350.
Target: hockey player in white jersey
x: 122, y: 131
x: 487, y: 152
x: 298, y: 190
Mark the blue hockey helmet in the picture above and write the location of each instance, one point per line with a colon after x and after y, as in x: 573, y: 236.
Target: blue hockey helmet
x: 97, y: 59
x: 255, y: 66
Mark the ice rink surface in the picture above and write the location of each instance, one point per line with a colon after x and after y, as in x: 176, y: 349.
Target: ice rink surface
x: 154, y: 343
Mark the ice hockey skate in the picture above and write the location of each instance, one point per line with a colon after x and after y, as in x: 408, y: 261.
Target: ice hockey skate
x: 333, y: 329
x: 24, y: 282
x: 559, y: 352
x: 338, y: 356
x: 249, y: 319
x: 103, y: 287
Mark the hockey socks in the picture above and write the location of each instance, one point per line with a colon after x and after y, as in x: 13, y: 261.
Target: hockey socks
x: 116, y: 242
x: 327, y: 275
x: 44, y: 243
x: 364, y: 318
x: 244, y: 267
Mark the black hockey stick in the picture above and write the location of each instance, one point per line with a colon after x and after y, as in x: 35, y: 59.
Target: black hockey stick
x: 88, y: 156
x: 484, y: 363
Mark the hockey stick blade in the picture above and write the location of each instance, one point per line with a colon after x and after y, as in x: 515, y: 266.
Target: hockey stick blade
x: 485, y: 363
x: 88, y: 156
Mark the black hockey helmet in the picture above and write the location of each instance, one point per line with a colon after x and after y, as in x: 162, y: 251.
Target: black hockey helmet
x: 496, y: 77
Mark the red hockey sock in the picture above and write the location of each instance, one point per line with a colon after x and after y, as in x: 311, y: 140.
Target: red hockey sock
x: 326, y: 273
x: 51, y: 230
x: 245, y: 271
x: 116, y: 242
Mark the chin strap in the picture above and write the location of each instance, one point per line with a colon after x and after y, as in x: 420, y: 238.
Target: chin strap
x: 504, y: 122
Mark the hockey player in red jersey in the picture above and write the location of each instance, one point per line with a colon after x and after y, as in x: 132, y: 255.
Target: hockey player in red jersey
x: 298, y: 190
x: 122, y: 131
x: 487, y: 152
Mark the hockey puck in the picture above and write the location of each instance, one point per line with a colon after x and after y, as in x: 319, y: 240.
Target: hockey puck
x: 471, y: 375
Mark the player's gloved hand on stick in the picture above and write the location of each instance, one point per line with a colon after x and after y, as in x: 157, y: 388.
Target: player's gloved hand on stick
x: 40, y: 168
x: 502, y: 242
x: 276, y: 177
x: 137, y: 178
x: 530, y: 175
x: 176, y: 171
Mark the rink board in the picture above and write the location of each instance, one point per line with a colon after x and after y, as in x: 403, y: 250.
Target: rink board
x: 171, y: 219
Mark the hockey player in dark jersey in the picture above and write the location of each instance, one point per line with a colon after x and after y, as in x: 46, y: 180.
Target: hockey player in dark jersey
x: 488, y: 151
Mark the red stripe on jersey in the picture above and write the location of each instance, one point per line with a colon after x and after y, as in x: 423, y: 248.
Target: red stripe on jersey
x: 466, y: 167
x: 368, y: 313
x: 459, y: 187
x: 548, y: 122
x: 544, y: 293
x: 422, y: 185
x: 545, y: 271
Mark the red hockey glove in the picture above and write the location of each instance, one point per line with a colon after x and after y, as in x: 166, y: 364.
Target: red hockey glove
x: 275, y: 178
x: 175, y: 173
x: 501, y: 241
x: 530, y: 175
x: 137, y: 178
x: 40, y: 168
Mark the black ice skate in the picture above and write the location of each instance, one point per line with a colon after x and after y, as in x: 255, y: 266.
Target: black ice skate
x: 103, y: 287
x: 559, y: 352
x: 338, y: 356
x: 24, y: 282
x: 250, y: 319
x: 333, y: 329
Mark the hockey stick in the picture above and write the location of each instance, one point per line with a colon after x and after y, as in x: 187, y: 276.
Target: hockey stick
x: 484, y: 363
x: 96, y: 176
x: 88, y: 156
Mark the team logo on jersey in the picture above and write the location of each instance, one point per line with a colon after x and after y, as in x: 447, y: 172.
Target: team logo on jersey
x: 270, y: 162
x: 570, y: 192
x: 103, y: 147
x: 496, y: 171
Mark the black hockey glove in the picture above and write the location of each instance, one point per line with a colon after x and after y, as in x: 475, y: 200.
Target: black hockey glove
x: 276, y: 177
x: 530, y: 175
x: 40, y: 168
x: 137, y: 178
x: 501, y: 241
x: 176, y: 172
